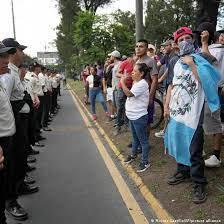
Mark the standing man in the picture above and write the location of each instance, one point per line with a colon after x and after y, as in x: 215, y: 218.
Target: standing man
x: 7, y: 128
x: 141, y: 49
x: 17, y: 157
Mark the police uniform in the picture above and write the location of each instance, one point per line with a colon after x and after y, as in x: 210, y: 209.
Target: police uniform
x: 17, y: 155
x: 37, y: 89
x: 7, y: 130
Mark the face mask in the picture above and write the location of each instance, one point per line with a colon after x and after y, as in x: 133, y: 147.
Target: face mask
x: 186, y: 47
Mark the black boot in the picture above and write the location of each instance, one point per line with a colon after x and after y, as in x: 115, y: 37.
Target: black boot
x: 199, y: 194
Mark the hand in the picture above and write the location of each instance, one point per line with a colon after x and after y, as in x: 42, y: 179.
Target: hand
x: 1, y: 158
x: 204, y: 37
x: 187, y: 60
x: 123, y: 79
x: 166, y: 112
x: 105, y: 91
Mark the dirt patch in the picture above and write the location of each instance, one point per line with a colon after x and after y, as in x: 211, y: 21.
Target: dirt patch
x: 175, y: 199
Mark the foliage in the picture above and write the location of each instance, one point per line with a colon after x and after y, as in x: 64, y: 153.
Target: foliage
x: 164, y: 17
x: 93, y: 5
x: 95, y: 36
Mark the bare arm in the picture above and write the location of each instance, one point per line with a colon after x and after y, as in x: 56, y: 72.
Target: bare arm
x: 153, y: 88
x: 163, y: 77
x: 167, y: 101
x: 127, y: 92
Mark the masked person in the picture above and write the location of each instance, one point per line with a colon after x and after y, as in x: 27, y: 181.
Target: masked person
x: 194, y: 80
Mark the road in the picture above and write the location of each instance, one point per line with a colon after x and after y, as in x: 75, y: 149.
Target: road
x: 76, y: 186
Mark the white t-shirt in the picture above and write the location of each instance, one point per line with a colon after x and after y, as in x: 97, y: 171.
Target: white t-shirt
x: 90, y: 80
x: 217, y: 50
x: 137, y: 105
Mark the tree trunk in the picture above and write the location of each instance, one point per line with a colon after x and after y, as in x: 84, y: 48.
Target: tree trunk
x: 207, y: 11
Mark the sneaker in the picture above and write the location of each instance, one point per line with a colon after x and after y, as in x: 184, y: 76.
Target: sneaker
x: 160, y: 134
x: 199, y: 195
x: 94, y: 117
x: 178, y: 178
x: 143, y: 167
x: 212, y: 162
x: 130, y: 159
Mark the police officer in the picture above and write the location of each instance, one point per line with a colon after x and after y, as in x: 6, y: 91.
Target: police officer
x: 18, y: 157
x: 7, y: 127
x: 38, y: 90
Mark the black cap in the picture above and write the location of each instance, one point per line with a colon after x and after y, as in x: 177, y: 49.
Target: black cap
x: 220, y: 31
x: 4, y: 49
x: 10, y: 42
x: 35, y: 64
x: 206, y: 26
x: 23, y: 66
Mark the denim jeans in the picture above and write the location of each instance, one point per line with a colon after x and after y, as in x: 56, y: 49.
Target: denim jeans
x: 196, y: 170
x: 140, y: 137
x: 96, y: 94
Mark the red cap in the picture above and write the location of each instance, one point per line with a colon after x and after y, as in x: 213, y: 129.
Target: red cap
x: 182, y: 31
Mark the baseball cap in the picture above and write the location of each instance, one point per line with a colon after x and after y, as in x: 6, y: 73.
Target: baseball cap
x: 35, y: 64
x: 4, y: 49
x: 182, y: 31
x: 10, y: 42
x: 168, y: 42
x: 115, y: 54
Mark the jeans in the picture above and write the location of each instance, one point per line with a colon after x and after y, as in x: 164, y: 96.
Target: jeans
x: 96, y: 94
x: 196, y: 170
x: 140, y: 137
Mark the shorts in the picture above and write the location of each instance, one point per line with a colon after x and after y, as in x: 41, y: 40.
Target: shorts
x: 212, y: 121
x: 109, y: 94
x: 151, y: 110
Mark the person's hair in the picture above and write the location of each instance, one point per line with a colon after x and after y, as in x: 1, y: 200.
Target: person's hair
x: 94, y: 67
x: 143, y: 68
x: 216, y: 36
x: 143, y: 41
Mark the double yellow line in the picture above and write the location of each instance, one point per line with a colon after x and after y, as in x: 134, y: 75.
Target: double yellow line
x: 128, y: 198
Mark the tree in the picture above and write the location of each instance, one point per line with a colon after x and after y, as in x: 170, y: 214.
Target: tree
x: 64, y: 42
x: 164, y: 17
x: 93, y: 5
x: 208, y: 10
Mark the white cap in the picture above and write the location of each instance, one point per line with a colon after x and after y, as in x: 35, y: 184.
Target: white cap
x: 115, y: 54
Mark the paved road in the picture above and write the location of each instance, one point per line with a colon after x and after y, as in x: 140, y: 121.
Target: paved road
x: 75, y: 185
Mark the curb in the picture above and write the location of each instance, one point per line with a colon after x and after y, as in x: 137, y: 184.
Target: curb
x: 161, y: 213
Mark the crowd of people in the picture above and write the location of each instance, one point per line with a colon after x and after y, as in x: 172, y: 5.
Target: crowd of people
x: 189, y: 66
x: 28, y: 103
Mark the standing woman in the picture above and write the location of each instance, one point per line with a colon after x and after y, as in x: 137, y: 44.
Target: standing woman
x: 136, y: 110
x: 95, y: 92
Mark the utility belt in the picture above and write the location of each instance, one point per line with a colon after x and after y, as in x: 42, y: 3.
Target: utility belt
x: 17, y: 105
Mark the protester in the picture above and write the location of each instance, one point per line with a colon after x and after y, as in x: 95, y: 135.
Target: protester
x: 136, y: 111
x: 108, y: 83
x: 152, y: 78
x: 95, y: 93
x: 185, y: 108
x: 125, y: 69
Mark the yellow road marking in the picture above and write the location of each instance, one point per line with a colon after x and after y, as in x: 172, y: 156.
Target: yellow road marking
x: 132, y: 205
x: 156, y: 206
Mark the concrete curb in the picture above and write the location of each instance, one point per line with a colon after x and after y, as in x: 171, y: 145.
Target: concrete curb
x: 161, y: 213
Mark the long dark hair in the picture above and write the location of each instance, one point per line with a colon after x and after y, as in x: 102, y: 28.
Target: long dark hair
x: 143, y: 68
